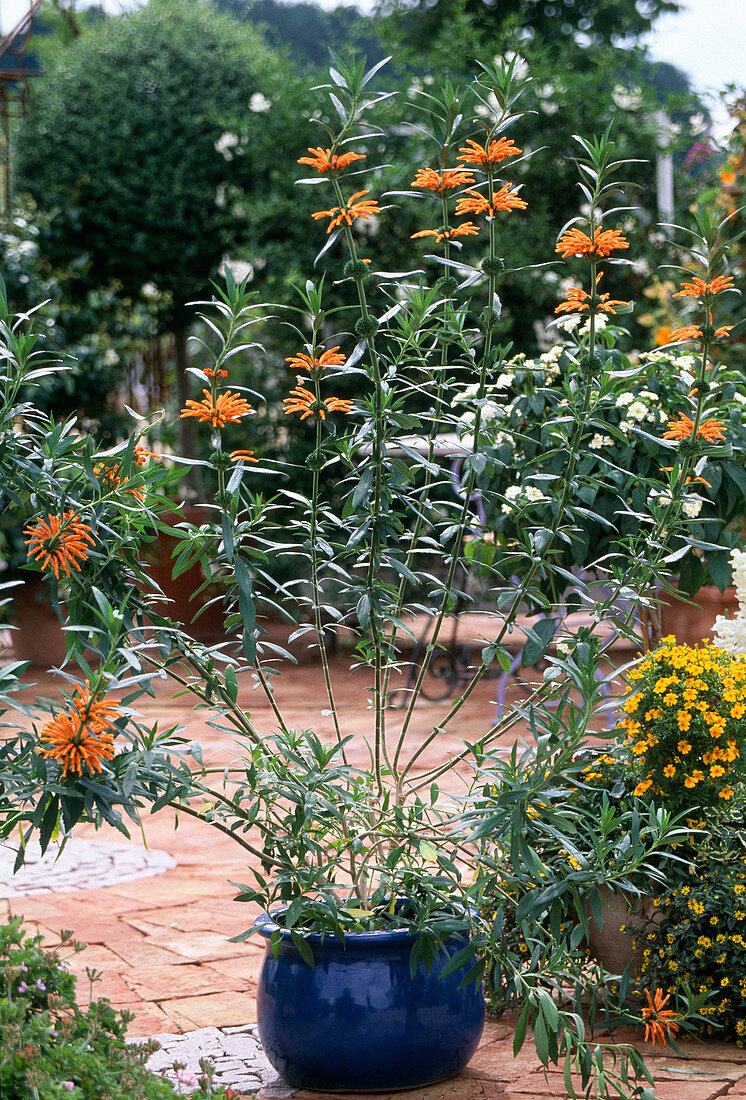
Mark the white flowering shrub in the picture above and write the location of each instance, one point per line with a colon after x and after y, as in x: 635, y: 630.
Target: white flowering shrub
x: 626, y: 451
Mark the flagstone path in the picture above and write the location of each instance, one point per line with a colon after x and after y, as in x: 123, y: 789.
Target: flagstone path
x: 161, y: 944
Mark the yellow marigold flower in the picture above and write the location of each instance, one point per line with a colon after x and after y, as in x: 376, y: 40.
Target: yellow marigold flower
x: 669, y: 771
x: 576, y: 243
x: 352, y: 209
x: 303, y: 401
x: 726, y: 793
x: 323, y: 160
x: 640, y: 748
x: 431, y: 180
x: 642, y: 787
x: 59, y: 543
x: 738, y: 711
x: 684, y: 720
x: 632, y: 703
x: 670, y: 699
x: 716, y: 771
x: 81, y: 734
x: 226, y: 408
x: 496, y: 151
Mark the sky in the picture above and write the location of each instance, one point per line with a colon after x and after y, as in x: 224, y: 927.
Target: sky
x: 707, y: 39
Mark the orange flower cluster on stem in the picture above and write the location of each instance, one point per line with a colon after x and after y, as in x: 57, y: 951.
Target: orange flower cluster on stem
x: 604, y: 241
x: 306, y: 403
x: 502, y: 200
x: 578, y: 301
x: 660, y: 1024
x: 496, y: 151
x: 346, y: 215
x: 694, y: 332
x: 225, y: 408
x: 683, y: 428
x: 323, y: 160
x: 431, y: 180
x: 466, y: 229
x: 59, y: 543
x: 80, y: 735
x: 315, y: 366
x: 699, y: 288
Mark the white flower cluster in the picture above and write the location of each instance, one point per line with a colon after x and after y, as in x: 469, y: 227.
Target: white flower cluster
x: 519, y: 496
x: 730, y: 634
x: 691, y: 506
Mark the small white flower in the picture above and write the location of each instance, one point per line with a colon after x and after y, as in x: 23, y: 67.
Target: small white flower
x: 659, y: 496
x: 739, y: 398
x: 625, y: 426
x: 637, y: 411
x: 111, y: 358
x: 691, y: 507
x: 599, y: 442
x: 624, y: 399
x: 259, y: 103
x: 648, y: 395
x: 225, y: 145
x: 504, y: 381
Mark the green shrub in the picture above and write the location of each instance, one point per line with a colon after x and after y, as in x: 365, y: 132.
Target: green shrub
x: 50, y: 1048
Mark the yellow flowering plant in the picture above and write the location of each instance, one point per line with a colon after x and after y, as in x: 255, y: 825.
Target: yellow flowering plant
x: 684, y: 729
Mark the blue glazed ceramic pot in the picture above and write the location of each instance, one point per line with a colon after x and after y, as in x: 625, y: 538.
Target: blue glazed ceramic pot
x: 358, y: 1021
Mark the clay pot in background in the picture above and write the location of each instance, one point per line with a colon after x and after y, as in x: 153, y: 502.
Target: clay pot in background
x: 691, y: 622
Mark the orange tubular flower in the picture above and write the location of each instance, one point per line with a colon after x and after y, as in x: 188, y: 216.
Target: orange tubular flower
x: 694, y: 332
x: 430, y: 180
x: 660, y: 1024
x: 346, y: 214
x: 474, y: 153
x: 215, y: 373
x: 227, y: 407
x: 81, y: 734
x: 504, y: 199
x: 303, y: 401
x: 698, y: 288
x: 243, y: 456
x: 323, y: 160
x: 315, y: 366
x: 683, y: 428
x: 109, y: 479
x: 577, y: 301
x: 59, y: 544
x: 141, y: 455
x: 576, y: 243
x: 466, y: 229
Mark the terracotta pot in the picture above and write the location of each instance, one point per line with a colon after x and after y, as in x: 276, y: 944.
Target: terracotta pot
x: 609, y: 944
x: 690, y: 623
x: 38, y: 636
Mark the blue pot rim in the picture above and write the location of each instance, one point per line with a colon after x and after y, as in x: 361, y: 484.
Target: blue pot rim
x: 265, y: 924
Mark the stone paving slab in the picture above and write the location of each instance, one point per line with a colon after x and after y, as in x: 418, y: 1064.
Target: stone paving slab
x: 79, y: 865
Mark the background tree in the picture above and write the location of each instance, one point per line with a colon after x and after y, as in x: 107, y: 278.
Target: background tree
x: 126, y: 146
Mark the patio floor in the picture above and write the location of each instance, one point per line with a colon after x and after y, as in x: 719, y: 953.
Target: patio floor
x: 161, y: 944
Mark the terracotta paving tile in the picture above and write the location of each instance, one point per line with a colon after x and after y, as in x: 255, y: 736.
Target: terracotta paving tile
x: 156, y: 983
x: 97, y: 957
x: 138, y: 951
x: 111, y: 986
x: 195, y: 946
x: 195, y: 918
x: 214, y: 1010
x: 155, y: 892
x: 496, y: 1060
x: 680, y: 1069
x: 458, y: 1088
x: 538, y: 1085
x: 247, y: 966
x: 148, y: 1020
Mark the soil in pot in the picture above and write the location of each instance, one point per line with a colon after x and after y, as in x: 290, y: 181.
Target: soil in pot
x: 358, y: 1021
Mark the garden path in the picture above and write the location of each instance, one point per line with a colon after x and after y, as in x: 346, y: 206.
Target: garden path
x: 161, y: 943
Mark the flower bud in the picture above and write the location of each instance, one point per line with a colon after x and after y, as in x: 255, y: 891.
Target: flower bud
x: 366, y: 326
